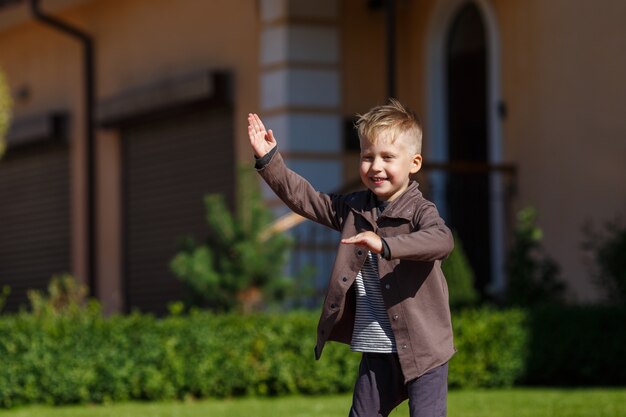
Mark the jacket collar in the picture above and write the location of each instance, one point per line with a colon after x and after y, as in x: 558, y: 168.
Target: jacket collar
x: 403, y: 207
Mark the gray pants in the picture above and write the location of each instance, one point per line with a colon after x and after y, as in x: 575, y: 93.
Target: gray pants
x: 380, y: 388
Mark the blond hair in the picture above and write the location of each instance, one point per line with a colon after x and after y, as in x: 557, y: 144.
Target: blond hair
x: 390, y: 121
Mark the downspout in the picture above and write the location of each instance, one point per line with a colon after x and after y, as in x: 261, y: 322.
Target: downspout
x: 390, y: 27
x: 89, y: 86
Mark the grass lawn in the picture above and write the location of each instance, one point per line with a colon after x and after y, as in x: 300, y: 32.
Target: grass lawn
x: 488, y: 403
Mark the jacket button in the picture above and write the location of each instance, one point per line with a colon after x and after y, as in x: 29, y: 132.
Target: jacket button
x: 387, y: 286
x: 344, y: 279
x: 333, y: 305
x: 359, y: 252
x: 395, y: 317
x: 403, y: 346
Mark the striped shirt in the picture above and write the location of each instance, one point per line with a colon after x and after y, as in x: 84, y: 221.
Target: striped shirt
x: 372, y: 329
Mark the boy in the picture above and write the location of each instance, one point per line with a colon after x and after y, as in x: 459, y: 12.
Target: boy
x: 387, y: 296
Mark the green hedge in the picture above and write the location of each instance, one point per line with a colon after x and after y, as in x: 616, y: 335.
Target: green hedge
x: 74, y: 359
x: 82, y: 357
x: 491, y: 348
x: 577, y: 346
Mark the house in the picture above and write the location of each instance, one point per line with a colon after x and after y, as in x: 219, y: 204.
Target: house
x: 127, y: 112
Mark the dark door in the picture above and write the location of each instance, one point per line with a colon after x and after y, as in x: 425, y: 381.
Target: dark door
x: 468, y: 192
x: 170, y: 164
x: 34, y: 218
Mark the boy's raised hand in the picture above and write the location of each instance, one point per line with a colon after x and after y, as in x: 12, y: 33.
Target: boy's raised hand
x: 261, y: 140
x: 369, y: 240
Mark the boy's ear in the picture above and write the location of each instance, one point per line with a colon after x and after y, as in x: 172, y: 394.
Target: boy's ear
x: 416, y: 163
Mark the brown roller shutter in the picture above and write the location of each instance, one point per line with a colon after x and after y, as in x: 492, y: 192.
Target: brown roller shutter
x: 170, y: 164
x: 34, y: 218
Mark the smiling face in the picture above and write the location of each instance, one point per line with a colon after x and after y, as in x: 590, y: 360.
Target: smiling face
x: 386, y: 165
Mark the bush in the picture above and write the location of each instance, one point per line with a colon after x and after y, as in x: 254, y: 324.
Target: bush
x: 65, y: 295
x: 75, y: 355
x: 237, y: 267
x: 491, y: 348
x: 608, y: 248
x: 66, y: 358
x: 533, y: 276
x: 62, y: 359
x: 460, y: 277
x: 576, y: 346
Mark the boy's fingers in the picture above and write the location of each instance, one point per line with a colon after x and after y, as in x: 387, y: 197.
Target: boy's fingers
x: 251, y: 125
x: 252, y: 122
x: 259, y: 137
x: 270, y: 136
x: 259, y: 129
x: 353, y: 239
x: 258, y: 123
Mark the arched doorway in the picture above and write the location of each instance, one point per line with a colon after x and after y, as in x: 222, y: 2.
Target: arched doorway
x: 463, y: 130
x: 467, y: 194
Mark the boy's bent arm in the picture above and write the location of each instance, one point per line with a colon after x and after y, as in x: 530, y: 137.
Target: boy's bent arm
x: 430, y: 242
x: 299, y: 195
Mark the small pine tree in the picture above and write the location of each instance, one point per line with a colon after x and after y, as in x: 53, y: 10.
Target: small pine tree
x: 238, y: 267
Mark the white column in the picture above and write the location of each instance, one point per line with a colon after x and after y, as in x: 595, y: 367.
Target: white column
x: 301, y: 96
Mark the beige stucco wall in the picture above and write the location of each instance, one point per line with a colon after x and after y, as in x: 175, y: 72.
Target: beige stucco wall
x: 137, y: 42
x: 562, y: 67
x: 363, y: 52
x: 364, y: 63
x: 41, y: 67
x: 137, y: 46
x: 563, y: 81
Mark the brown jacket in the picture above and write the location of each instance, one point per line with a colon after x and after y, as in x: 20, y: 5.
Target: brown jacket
x: 412, y: 283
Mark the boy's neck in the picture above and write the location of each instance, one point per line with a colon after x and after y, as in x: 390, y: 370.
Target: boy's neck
x: 381, y: 203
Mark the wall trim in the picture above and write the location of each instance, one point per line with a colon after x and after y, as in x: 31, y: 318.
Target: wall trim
x: 38, y: 128
x: 203, y: 87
